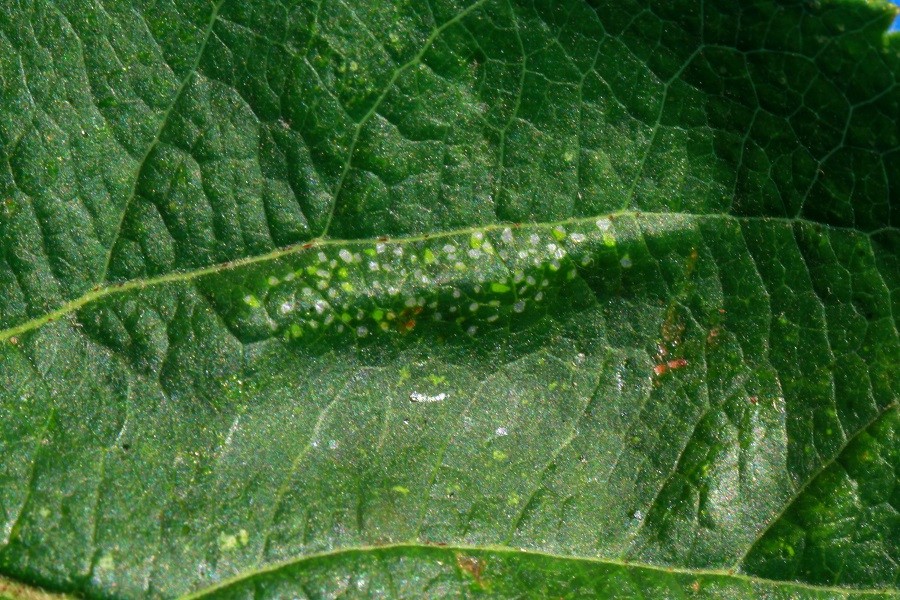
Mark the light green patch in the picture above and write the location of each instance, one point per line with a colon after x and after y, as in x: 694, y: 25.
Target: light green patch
x: 251, y: 301
x: 106, y: 563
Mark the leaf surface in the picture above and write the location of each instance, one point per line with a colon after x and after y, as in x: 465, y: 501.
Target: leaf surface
x: 449, y: 298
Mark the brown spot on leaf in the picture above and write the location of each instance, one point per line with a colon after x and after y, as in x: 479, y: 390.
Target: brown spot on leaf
x: 471, y: 565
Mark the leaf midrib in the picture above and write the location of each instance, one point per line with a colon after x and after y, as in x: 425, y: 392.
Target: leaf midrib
x: 501, y: 549
x: 99, y: 292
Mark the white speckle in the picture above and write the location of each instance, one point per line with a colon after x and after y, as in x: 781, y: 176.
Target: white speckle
x: 322, y: 257
x: 332, y: 293
x: 329, y: 319
x: 332, y: 263
x: 518, y: 277
x: 533, y: 239
x: 457, y: 293
x: 577, y: 237
x: 449, y: 248
x: 438, y: 316
x: 345, y: 255
x: 478, y: 236
x: 379, y: 248
x: 474, y: 253
x: 507, y: 235
x: 323, y: 273
x: 492, y: 318
x: 320, y: 306
x: 519, y: 306
x: 501, y: 431
x: 472, y: 330
x: 625, y: 262
x: 530, y: 280
x: 398, y: 251
x: 419, y: 397
x: 603, y: 224
x: 273, y: 280
x: 522, y: 254
x: 579, y: 358
x: 638, y: 515
x: 552, y: 248
x: 307, y: 291
x: 322, y: 284
x: 313, y: 324
x: 409, y: 302
x: 250, y: 299
x: 539, y: 296
x: 374, y: 266
x: 453, y: 309
x: 332, y: 444
x: 559, y: 231
x: 289, y: 276
x: 286, y: 308
x: 473, y: 307
x: 362, y: 331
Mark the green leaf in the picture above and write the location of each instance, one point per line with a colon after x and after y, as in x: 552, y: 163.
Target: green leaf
x: 580, y: 298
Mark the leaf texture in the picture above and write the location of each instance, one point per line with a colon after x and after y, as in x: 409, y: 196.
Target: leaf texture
x: 566, y: 299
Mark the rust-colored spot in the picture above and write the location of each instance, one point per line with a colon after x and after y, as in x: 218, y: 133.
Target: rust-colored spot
x: 383, y: 238
x: 307, y: 245
x: 753, y: 399
x: 407, y: 319
x: 471, y: 565
x: 712, y: 335
x: 13, y: 340
x: 695, y: 587
x: 677, y: 363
